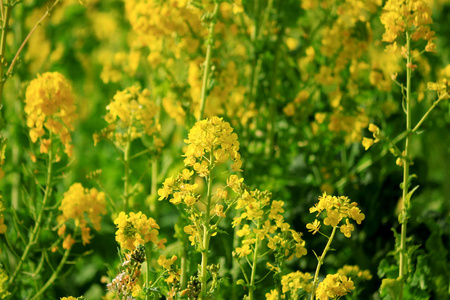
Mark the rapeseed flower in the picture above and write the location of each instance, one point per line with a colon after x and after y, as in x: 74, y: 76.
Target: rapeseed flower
x: 49, y: 105
x: 84, y: 206
x: 135, y: 229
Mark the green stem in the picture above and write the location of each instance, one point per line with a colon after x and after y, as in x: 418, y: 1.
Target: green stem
x: 427, y: 113
x: 405, y: 206
x: 38, y: 23
x: 54, y: 275
x: 154, y: 188
x: 252, y: 277
x: 5, y: 24
x: 210, y: 44
x: 148, y: 251
x: 320, y: 263
x: 37, y: 227
x: 126, y: 164
x: 206, y: 233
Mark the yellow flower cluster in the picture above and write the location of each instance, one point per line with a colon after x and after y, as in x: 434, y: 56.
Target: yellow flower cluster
x: 180, y: 189
x: 136, y: 229
x: 49, y: 103
x: 259, y: 209
x: 155, y: 23
x: 334, y: 286
x: 411, y: 16
x: 83, y: 206
x: 171, y: 268
x: 292, y: 284
x: 354, y: 272
x: 131, y: 114
x: 212, y: 137
x: 336, y: 209
x: 367, y: 142
x: 2, y: 217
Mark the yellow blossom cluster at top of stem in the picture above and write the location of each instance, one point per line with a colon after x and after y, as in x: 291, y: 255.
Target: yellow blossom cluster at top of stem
x: 212, y: 137
x: 336, y: 209
x: 81, y: 205
x: 131, y: 114
x: 411, y: 16
x: 334, y: 286
x: 49, y: 103
x: 270, y: 226
x: 136, y: 229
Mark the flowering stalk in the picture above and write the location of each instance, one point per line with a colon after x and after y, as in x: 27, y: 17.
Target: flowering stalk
x: 37, y: 227
x: 251, y: 288
x: 54, y: 275
x: 210, y: 43
x: 405, y: 206
x: 206, y: 227
x: 5, y: 16
x: 320, y: 260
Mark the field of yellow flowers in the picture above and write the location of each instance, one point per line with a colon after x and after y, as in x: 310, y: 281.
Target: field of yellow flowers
x: 224, y: 149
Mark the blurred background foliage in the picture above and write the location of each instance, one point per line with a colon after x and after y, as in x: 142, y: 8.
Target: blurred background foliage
x: 299, y: 81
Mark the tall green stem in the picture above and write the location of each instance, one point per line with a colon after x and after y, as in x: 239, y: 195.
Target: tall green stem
x: 126, y: 164
x: 54, y: 275
x: 405, y: 206
x: 5, y: 24
x: 209, y: 46
x: 206, y: 233
x: 252, y: 277
x: 320, y: 263
x: 36, y: 229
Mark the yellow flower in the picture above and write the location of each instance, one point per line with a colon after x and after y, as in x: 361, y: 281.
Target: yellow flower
x: 334, y: 285
x: 209, y: 136
x: 135, y: 229
x: 49, y: 103
x: 313, y: 227
x: 347, y: 229
x: 166, y: 263
x: 83, y: 206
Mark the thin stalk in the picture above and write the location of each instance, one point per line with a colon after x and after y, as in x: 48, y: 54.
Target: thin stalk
x: 54, y: 275
x: 252, y: 277
x: 154, y: 188
x: 46, y: 14
x: 37, y: 227
x: 148, y: 251
x: 206, y: 233
x: 210, y: 44
x: 427, y: 113
x: 320, y: 263
x: 404, y: 220
x: 126, y: 165
x: 6, y: 14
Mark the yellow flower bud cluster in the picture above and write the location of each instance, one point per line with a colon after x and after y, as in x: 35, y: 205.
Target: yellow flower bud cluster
x: 442, y: 86
x: 336, y: 208
x: 171, y: 268
x: 84, y: 206
x: 355, y: 272
x: 367, y: 142
x: 2, y: 217
x: 136, y: 229
x: 180, y: 189
x: 258, y: 208
x: 49, y: 103
x: 292, y: 284
x: 334, y: 286
x: 212, y: 137
x: 131, y: 114
x: 412, y: 16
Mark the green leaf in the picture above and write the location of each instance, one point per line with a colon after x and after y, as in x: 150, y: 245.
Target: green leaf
x: 408, y: 197
x: 390, y: 287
